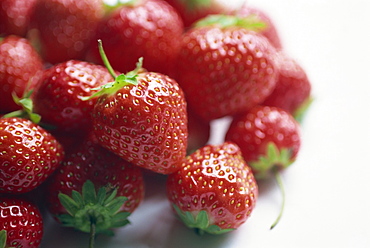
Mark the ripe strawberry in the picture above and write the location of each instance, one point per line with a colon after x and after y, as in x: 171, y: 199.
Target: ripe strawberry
x: 58, y: 95
x: 21, y: 223
x: 14, y: 16
x: 224, y: 67
x: 140, y: 28
x: 142, y: 117
x: 111, y: 188
x: 28, y: 155
x: 64, y: 28
x: 269, y: 31
x: 293, y: 88
x: 194, y: 10
x: 20, y: 66
x: 214, y: 191
x: 268, y: 137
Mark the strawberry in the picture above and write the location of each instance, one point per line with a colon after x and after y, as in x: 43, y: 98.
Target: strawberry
x: 215, y: 190
x: 224, y: 67
x: 28, y: 155
x: 21, y: 223
x: 293, y: 88
x: 139, y: 28
x: 20, y: 67
x: 194, y: 10
x: 64, y: 28
x: 14, y: 16
x: 142, y: 117
x: 269, y: 31
x: 111, y: 188
x: 58, y: 96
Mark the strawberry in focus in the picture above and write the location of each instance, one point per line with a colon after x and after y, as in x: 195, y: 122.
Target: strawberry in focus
x: 215, y: 190
x: 20, y: 68
x: 28, y: 155
x: 224, y: 67
x: 21, y: 223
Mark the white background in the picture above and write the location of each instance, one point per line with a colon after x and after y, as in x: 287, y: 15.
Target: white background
x: 328, y: 187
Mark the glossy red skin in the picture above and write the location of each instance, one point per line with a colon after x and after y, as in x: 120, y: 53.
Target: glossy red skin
x: 90, y: 161
x: 293, y: 87
x: 22, y: 221
x: 252, y: 132
x: 270, y: 31
x: 58, y: 95
x: 65, y: 28
x: 14, y: 16
x: 20, y: 67
x: 216, y: 179
x: 150, y: 29
x: 145, y: 124
x: 224, y: 72
x: 28, y: 155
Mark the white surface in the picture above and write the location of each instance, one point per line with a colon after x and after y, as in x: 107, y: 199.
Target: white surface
x: 328, y: 188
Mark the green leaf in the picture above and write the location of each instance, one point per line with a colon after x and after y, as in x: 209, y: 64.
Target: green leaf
x: 68, y: 203
x: 77, y: 197
x: 101, y: 196
x: 2, y: 238
x: 300, y: 113
x: 114, y: 205
x: 88, y: 192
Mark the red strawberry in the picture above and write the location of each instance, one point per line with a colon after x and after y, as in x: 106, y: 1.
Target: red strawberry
x: 140, y: 28
x: 269, y: 31
x: 224, y: 67
x: 20, y: 66
x: 28, y: 155
x: 58, y: 95
x: 214, y: 191
x: 194, y: 10
x: 268, y: 137
x: 121, y: 182
x: 14, y: 16
x: 293, y: 88
x: 21, y: 223
x: 64, y: 28
x: 142, y: 117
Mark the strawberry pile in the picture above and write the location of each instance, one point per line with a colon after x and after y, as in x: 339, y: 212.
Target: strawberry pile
x: 95, y: 95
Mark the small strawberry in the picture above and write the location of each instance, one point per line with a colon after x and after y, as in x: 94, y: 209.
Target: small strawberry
x: 142, y: 117
x: 215, y: 190
x: 28, y: 155
x: 14, y: 16
x: 194, y: 10
x: 269, y: 31
x: 64, y: 28
x: 21, y: 223
x: 224, y: 67
x: 94, y: 187
x: 58, y: 95
x: 269, y: 139
x: 139, y: 28
x: 293, y: 88
x: 20, y: 68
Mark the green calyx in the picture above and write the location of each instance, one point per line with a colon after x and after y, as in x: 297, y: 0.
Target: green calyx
x: 2, y: 238
x: 200, y: 222
x: 274, y: 158
x: 120, y: 81
x: 114, y: 4
x: 92, y: 211
x: 302, y: 109
x: 251, y: 22
x: 192, y: 5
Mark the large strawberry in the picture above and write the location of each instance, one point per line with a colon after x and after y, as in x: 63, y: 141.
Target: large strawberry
x: 224, y: 67
x: 64, y: 28
x: 14, y: 16
x: 140, y: 28
x: 293, y: 88
x: 142, y: 117
x: 215, y: 190
x: 21, y: 223
x: 109, y: 188
x: 269, y: 30
x: 28, y: 155
x: 20, y: 68
x: 58, y: 95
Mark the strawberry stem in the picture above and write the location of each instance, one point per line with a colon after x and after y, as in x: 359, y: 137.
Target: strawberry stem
x: 92, y: 234
x: 279, y: 181
x: 105, y: 59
